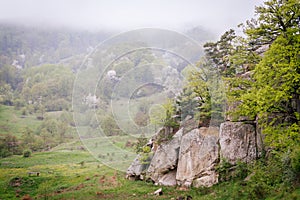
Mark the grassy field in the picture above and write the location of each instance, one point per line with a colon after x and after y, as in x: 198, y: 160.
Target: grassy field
x: 76, y: 170
x: 71, y: 175
x: 77, y: 175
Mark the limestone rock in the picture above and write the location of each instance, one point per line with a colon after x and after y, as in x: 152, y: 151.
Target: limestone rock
x: 158, y: 192
x: 206, y: 180
x: 199, y: 153
x: 238, y: 142
x: 165, y: 158
x: 168, y: 179
x: 136, y: 169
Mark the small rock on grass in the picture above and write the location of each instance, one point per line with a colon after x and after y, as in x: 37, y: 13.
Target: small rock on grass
x: 158, y: 192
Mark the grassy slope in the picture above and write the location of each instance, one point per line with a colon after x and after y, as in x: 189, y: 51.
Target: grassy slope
x: 64, y: 177
x: 69, y: 173
x: 11, y: 121
x: 77, y: 175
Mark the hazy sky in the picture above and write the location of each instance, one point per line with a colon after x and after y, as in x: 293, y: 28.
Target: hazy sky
x: 216, y: 15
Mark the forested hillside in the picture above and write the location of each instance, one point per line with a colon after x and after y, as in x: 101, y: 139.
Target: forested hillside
x: 37, y: 70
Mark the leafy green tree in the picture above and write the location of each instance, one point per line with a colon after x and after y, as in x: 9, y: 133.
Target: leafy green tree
x: 141, y: 142
x: 6, y: 94
x: 271, y: 91
x: 203, y: 96
x: 187, y: 104
x: 274, y: 93
x: 109, y: 126
x: 9, y: 75
x: 28, y: 138
x: 10, y: 145
x: 27, y: 153
x: 243, y: 58
x: 275, y: 17
x: 157, y: 116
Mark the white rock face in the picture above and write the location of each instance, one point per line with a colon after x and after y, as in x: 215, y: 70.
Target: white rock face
x: 164, y: 160
x: 206, y: 181
x: 136, y: 169
x: 198, y: 156
x: 238, y: 142
x: 190, y: 158
x: 168, y: 179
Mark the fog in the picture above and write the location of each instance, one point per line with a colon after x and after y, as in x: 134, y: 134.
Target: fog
x: 215, y: 15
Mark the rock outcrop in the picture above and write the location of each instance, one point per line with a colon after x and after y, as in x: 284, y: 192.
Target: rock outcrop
x: 165, y: 160
x: 136, y: 170
x: 199, y: 153
x: 190, y: 158
x: 238, y: 142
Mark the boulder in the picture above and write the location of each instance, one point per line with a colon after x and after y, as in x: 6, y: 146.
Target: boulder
x: 136, y: 170
x: 165, y: 159
x: 207, y: 180
x: 168, y: 179
x: 238, y: 142
x: 199, y: 153
x: 158, y: 192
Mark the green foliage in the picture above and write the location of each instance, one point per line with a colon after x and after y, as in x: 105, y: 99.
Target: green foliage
x: 228, y: 171
x: 203, y: 96
x: 9, y: 145
x: 48, y: 87
x: 275, y: 17
x: 157, y: 115
x: 224, y: 170
x: 27, y: 153
x: 165, y: 115
x: 273, y: 85
x: 266, y: 89
x: 140, y: 144
x: 169, y: 109
x: 295, y: 160
x: 265, y: 178
x: 142, y: 116
x: 9, y: 75
x: 273, y: 95
x: 109, y: 125
x: 6, y: 94
x: 243, y: 58
x: 282, y: 137
x: 187, y: 103
x: 145, y: 155
x: 218, y: 53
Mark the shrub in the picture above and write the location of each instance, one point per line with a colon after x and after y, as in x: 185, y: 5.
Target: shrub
x: 141, y: 142
x: 224, y: 169
x: 295, y: 160
x: 82, y: 163
x: 27, y: 153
